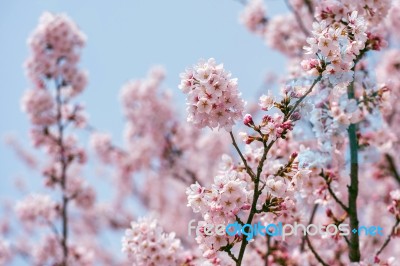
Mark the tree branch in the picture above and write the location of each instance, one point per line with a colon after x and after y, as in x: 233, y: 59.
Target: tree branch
x: 354, y: 248
x: 389, y: 237
x: 392, y: 167
x: 306, y: 238
x: 248, y: 169
x: 319, y: 259
x: 332, y: 193
x: 314, y: 210
x: 257, y: 193
x: 298, y: 18
x: 287, y: 117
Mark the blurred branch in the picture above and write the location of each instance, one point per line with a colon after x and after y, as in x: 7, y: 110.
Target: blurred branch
x: 248, y: 169
x: 314, y: 210
x: 298, y: 18
x: 389, y: 237
x: 317, y: 256
x: 392, y: 167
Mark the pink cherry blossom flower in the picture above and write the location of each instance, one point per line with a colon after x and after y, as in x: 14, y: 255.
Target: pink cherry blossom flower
x: 212, y: 96
x: 267, y: 101
x: 145, y: 243
x: 37, y: 208
x: 39, y: 105
x: 254, y: 16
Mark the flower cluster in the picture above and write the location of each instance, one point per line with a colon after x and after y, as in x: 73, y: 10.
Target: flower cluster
x: 337, y: 45
x: 393, y: 19
x: 212, y: 96
x: 37, y: 208
x: 228, y: 198
x: 334, y: 10
x: 55, y: 46
x: 48, y: 251
x: 39, y: 105
x: 146, y: 244
x: 271, y: 126
x: 254, y: 17
x: 284, y: 34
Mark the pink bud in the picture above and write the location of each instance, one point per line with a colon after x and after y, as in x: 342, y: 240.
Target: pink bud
x: 248, y: 120
x: 267, y: 118
x: 209, y: 254
x: 246, y: 207
x: 249, y: 140
x: 296, y: 116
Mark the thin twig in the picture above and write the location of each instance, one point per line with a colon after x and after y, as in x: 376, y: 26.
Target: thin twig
x: 389, y: 237
x: 392, y: 167
x: 268, y: 249
x: 302, y: 98
x: 319, y: 259
x: 298, y: 18
x: 248, y: 169
x: 257, y: 193
x: 332, y: 193
x: 307, y: 239
x: 314, y: 210
x: 231, y: 255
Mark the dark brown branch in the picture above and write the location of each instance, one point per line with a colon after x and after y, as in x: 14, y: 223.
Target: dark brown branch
x: 309, y: 7
x: 231, y: 255
x: 287, y: 117
x: 227, y: 248
x: 333, y: 194
x: 354, y: 246
x: 319, y: 259
x: 268, y: 249
x: 392, y: 167
x: 389, y: 237
x: 310, y: 246
x: 314, y: 210
x: 248, y: 169
x: 298, y: 18
x: 257, y: 192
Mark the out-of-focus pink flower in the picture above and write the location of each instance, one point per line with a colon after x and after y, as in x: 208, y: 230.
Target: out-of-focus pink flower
x: 253, y: 16
x: 5, y: 252
x: 39, y: 105
x: 145, y: 243
x: 55, y: 46
x: 37, y: 208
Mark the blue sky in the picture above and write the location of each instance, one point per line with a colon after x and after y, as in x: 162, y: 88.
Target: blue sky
x: 124, y: 41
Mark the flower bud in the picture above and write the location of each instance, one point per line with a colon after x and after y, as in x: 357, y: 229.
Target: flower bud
x: 248, y: 120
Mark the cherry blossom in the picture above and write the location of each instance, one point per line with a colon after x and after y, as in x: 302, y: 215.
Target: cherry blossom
x: 212, y: 96
x: 37, y: 207
x: 323, y: 150
x: 254, y: 17
x: 146, y: 244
